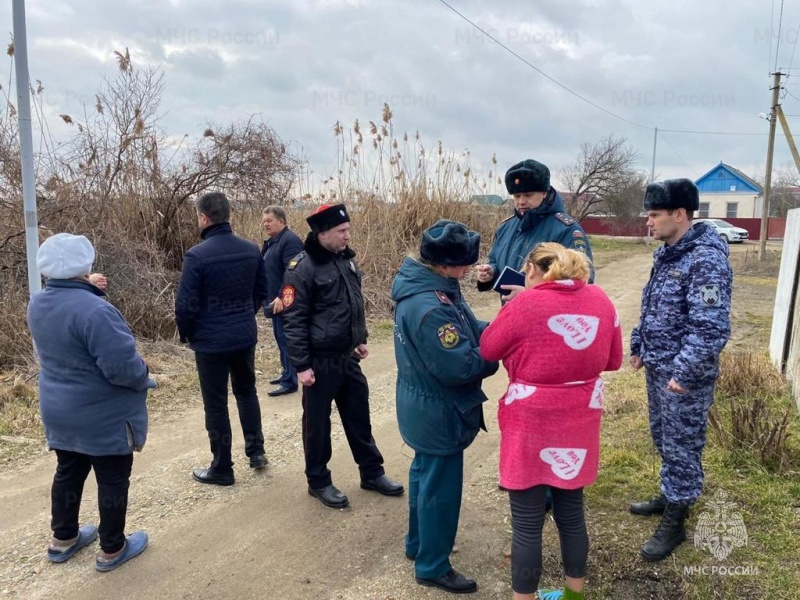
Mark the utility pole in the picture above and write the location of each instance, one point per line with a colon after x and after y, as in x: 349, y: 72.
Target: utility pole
x: 652, y: 173
x: 26, y: 145
x: 762, y: 239
x: 653, y: 168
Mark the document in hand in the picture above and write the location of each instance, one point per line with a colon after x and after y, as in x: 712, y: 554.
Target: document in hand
x: 508, y: 276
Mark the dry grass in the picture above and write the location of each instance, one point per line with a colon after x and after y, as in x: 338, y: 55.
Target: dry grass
x: 754, y: 412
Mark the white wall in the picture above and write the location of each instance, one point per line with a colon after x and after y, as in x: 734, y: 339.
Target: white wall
x: 747, y: 208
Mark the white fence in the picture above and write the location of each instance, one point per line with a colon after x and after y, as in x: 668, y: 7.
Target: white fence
x: 784, y: 341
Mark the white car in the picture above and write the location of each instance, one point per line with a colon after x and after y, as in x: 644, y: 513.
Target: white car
x: 726, y: 231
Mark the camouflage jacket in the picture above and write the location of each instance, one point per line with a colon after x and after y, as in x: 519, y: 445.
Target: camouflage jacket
x: 685, y: 318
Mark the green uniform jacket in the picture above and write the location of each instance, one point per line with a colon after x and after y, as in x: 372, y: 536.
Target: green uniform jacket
x: 439, y: 365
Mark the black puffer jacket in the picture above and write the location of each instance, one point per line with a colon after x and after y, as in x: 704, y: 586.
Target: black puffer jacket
x: 223, y: 284
x: 324, y: 308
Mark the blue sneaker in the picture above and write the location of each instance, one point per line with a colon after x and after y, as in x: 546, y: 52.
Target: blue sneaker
x: 135, y: 544
x: 86, y: 535
x: 550, y: 594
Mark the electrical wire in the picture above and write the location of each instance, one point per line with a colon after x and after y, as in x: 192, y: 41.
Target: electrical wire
x: 542, y: 73
x: 576, y: 94
x: 778, y: 43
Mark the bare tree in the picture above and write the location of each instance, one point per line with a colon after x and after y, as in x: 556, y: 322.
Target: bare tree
x: 598, y: 171
x: 785, y: 191
x: 624, y: 202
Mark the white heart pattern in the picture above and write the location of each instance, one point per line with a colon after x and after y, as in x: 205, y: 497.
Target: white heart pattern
x: 566, y: 463
x: 518, y: 391
x: 578, y: 331
x: 598, y: 394
x: 616, y: 318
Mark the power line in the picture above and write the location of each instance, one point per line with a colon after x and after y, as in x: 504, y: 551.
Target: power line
x: 771, y: 27
x: 708, y: 132
x: 791, y: 94
x: 678, y: 154
x: 791, y: 60
x: 538, y: 70
x: 778, y: 43
x: 576, y: 94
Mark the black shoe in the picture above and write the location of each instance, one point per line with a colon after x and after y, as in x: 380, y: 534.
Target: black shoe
x: 669, y: 535
x: 282, y: 390
x: 275, y: 381
x: 382, y: 485
x: 208, y: 476
x: 329, y: 496
x: 452, y: 581
x: 654, y: 506
x: 259, y: 461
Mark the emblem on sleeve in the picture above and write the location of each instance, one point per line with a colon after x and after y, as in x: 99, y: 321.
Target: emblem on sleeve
x: 709, y: 294
x: 287, y: 295
x: 448, y: 336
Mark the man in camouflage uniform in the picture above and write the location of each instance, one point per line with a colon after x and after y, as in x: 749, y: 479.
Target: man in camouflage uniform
x: 539, y: 216
x: 683, y: 327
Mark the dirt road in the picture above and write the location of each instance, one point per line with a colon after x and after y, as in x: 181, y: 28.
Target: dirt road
x: 265, y: 537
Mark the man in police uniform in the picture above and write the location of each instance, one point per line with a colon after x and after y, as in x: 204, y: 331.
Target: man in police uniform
x: 326, y: 333
x: 539, y: 216
x: 683, y: 327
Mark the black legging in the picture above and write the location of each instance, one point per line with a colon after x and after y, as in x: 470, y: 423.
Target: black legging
x: 527, y: 515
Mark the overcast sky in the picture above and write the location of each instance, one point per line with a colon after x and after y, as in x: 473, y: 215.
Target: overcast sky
x: 302, y: 65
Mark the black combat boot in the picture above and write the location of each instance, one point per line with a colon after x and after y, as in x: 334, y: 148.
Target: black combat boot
x: 669, y: 534
x: 654, y: 506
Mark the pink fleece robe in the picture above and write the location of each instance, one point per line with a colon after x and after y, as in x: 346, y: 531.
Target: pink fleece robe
x: 554, y: 340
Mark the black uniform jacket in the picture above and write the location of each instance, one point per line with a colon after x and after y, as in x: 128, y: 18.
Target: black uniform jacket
x: 323, y: 306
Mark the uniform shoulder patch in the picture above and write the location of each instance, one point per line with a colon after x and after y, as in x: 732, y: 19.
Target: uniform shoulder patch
x: 448, y: 336
x: 287, y: 295
x: 293, y: 263
x: 443, y: 298
x: 579, y: 244
x: 709, y: 295
x: 564, y: 218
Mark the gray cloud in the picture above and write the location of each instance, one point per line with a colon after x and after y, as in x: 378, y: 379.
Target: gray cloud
x: 303, y: 65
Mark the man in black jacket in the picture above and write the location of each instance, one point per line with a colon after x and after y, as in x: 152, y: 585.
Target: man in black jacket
x: 281, y: 247
x: 223, y: 285
x: 327, y: 335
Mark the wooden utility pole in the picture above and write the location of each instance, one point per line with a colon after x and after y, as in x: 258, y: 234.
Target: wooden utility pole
x: 762, y: 240
x: 789, y: 137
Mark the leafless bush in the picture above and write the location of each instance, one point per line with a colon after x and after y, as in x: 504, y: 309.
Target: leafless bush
x: 121, y: 181
x: 753, y: 413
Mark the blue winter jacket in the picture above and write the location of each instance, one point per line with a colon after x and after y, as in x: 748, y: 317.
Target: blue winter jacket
x: 222, y: 287
x: 277, y: 251
x: 685, y: 318
x: 439, y: 366
x: 516, y: 237
x: 92, y: 383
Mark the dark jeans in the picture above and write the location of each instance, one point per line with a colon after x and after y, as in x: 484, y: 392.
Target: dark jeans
x: 113, y: 475
x: 338, y: 379
x: 213, y: 371
x: 288, y: 372
x: 527, y: 516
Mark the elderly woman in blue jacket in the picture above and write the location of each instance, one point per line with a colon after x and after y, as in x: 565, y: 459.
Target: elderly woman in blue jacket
x: 439, y: 396
x: 92, y: 390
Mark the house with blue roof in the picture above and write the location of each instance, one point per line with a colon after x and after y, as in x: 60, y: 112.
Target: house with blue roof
x: 727, y: 193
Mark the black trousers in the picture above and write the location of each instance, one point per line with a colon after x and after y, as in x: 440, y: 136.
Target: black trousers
x: 113, y: 475
x: 213, y: 371
x: 338, y: 379
x: 527, y: 520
